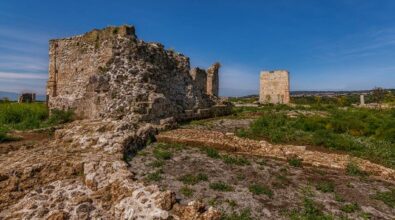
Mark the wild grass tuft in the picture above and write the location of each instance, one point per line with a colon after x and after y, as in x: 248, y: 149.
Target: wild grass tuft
x: 235, y: 160
x: 258, y: 189
x: 388, y: 197
x: 221, y: 186
x: 325, y: 186
x: 193, y: 179
x: 243, y: 215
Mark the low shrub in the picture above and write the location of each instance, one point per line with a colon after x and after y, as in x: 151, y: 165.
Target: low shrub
x: 213, y: 153
x: 295, y: 161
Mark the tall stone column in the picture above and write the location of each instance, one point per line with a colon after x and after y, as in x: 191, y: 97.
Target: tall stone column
x: 213, y: 79
x: 362, y: 99
x: 51, y: 84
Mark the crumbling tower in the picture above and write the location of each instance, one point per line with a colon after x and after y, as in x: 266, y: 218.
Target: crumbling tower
x: 213, y: 79
x: 274, y: 87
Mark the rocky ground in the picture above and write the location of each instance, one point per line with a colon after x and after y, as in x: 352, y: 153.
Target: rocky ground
x: 259, y: 187
x: 82, y: 171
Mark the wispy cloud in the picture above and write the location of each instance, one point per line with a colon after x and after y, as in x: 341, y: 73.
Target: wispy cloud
x: 23, y: 60
x: 9, y: 75
x: 368, y: 43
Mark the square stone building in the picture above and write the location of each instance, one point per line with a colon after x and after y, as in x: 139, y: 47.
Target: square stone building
x: 274, y: 87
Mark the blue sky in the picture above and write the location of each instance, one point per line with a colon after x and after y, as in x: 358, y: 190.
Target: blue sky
x: 326, y: 44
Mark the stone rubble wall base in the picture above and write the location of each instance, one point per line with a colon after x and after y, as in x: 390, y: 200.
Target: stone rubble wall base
x: 232, y: 143
x: 105, y: 188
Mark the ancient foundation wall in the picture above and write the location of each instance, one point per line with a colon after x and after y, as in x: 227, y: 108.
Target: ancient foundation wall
x: 274, y: 87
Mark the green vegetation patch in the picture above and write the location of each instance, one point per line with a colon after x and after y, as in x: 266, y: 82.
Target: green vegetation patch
x: 243, y: 215
x: 353, y: 169
x: 162, y: 154
x: 193, y: 179
x: 213, y: 153
x: 235, y: 160
x: 221, y: 186
x: 258, y: 189
x: 365, y: 133
x: 388, y: 197
x: 311, y: 210
x: 295, y: 162
x: 186, y: 191
x: 154, y: 177
x: 156, y: 163
x: 325, y: 186
x: 24, y: 116
x: 350, y: 208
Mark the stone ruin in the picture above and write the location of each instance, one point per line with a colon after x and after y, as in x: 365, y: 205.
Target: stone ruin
x: 110, y: 73
x: 274, y: 87
x: 27, y: 98
x: 123, y: 91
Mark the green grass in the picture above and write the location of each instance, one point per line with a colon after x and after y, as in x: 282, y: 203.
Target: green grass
x: 350, y: 208
x: 25, y: 116
x: 295, y: 162
x: 193, y: 179
x: 213, y: 153
x: 154, y: 177
x: 364, y: 133
x: 186, y: 191
x: 310, y: 211
x: 235, y: 160
x: 243, y: 215
x: 353, y: 169
x: 162, y: 154
x: 258, y: 189
x: 388, y: 197
x: 325, y: 186
x: 156, y: 163
x: 221, y: 186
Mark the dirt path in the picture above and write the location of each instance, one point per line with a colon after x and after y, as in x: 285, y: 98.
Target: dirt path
x: 229, y: 142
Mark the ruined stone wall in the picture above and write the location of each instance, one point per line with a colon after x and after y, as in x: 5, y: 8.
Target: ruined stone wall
x: 110, y: 73
x: 274, y: 87
x: 213, y: 80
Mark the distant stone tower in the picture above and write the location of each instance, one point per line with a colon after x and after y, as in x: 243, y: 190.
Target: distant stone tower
x: 213, y: 79
x: 274, y: 87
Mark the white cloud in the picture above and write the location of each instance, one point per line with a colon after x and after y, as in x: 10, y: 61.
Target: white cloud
x: 9, y: 75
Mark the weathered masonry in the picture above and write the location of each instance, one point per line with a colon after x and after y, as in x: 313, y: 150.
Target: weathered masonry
x: 274, y: 87
x: 111, y: 73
